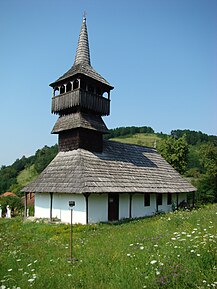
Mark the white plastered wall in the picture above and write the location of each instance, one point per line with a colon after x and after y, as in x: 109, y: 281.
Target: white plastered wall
x: 124, y: 206
x: 60, y: 207
x: 138, y: 208
x: 97, y: 208
x: 42, y: 205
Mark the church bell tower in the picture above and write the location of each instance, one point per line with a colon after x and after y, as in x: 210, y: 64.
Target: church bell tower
x: 81, y: 97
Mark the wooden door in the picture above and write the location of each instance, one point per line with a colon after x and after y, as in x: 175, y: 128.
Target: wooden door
x: 113, y: 207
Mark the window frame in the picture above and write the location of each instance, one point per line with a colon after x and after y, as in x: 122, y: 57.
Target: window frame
x: 159, y: 199
x: 147, y: 200
x: 169, y: 199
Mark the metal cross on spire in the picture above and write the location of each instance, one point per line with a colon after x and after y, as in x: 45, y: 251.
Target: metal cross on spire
x: 84, y: 15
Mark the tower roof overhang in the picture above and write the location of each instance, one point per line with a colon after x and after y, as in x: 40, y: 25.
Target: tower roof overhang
x: 85, y: 70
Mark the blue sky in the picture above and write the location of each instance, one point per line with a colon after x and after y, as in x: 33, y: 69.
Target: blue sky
x: 160, y: 55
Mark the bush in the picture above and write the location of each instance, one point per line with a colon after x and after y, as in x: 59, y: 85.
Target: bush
x: 14, y: 203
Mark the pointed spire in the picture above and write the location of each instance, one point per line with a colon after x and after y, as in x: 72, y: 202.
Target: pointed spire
x: 83, y: 52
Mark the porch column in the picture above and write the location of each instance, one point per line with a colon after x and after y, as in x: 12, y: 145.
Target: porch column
x: 25, y: 206
x: 51, y: 205
x: 130, y: 206
x: 86, y: 195
x: 177, y: 200
x: 156, y: 202
x: 193, y: 200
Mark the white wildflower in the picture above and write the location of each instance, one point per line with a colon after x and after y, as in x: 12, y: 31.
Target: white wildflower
x: 31, y: 280
x: 18, y: 260
x: 29, y: 264
x: 9, y: 270
x: 157, y: 272
x: 198, y: 255
x: 35, y: 261
x: 128, y: 255
x: 69, y: 275
x: 153, y: 262
x: 141, y: 248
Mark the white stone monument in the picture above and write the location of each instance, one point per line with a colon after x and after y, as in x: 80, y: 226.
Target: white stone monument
x: 8, y: 212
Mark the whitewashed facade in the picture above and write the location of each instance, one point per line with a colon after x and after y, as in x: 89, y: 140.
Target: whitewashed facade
x: 98, y: 206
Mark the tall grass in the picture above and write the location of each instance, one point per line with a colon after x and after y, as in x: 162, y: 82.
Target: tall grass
x: 175, y: 250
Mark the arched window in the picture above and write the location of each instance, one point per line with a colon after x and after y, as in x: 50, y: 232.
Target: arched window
x: 62, y: 89
x: 68, y: 87
x: 75, y: 84
x: 105, y: 94
x: 56, y: 91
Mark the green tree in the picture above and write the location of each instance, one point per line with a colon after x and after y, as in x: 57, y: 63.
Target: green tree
x: 207, y: 186
x: 44, y: 156
x: 175, y: 151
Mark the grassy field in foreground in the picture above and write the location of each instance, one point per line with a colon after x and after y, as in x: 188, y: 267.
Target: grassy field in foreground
x: 175, y: 250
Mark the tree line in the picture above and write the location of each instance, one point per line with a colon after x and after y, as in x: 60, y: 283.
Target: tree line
x: 128, y: 130
x: 8, y: 174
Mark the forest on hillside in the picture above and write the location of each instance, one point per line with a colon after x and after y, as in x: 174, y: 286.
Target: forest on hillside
x: 191, y: 153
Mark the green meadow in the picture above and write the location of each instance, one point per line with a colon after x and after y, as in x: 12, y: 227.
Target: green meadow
x: 175, y: 250
x: 144, y: 139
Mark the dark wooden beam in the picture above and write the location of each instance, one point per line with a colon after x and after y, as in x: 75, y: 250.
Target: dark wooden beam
x: 86, y: 195
x: 177, y: 200
x: 156, y: 203
x: 130, y: 206
x: 193, y: 200
x: 25, y: 206
x: 51, y: 205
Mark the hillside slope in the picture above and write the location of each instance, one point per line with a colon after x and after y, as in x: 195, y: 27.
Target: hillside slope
x: 143, y: 139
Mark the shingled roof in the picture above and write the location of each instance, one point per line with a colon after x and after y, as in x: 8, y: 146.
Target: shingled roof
x: 82, y: 63
x: 120, y: 168
x: 80, y: 120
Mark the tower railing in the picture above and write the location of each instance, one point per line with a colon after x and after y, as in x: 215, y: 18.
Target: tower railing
x: 83, y: 99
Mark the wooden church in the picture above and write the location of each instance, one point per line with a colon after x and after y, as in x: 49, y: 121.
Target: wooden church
x: 107, y: 180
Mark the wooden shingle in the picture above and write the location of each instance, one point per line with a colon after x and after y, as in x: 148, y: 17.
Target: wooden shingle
x: 120, y: 168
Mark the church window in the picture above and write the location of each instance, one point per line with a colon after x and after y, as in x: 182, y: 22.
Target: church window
x: 147, y: 200
x: 62, y: 89
x: 75, y: 84
x: 68, y: 87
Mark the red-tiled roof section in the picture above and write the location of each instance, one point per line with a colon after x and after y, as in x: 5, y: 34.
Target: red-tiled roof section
x: 6, y: 194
